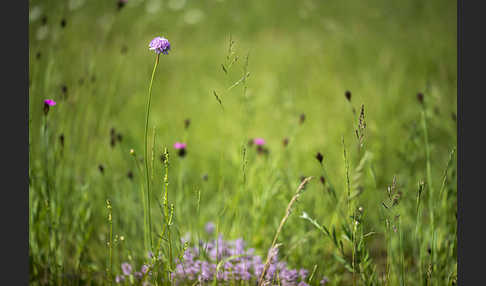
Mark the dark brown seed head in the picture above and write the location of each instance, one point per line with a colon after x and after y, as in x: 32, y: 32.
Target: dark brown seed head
x: 130, y: 175
x: 319, y: 157
x: 182, y: 152
x: 119, y: 137
x: 302, y: 118
x: 61, y: 139
x: 38, y: 55
x: 323, y: 180
x: 420, y: 97
x: 44, y: 20
x: 348, y: 95
x: 121, y: 4
x: 112, y: 131
x: 429, y: 250
x: 64, y: 90
x: 187, y: 122
x: 285, y: 142
x: 205, y: 177
x: 112, y: 142
x: 101, y: 168
x: 46, y: 108
x: 63, y: 23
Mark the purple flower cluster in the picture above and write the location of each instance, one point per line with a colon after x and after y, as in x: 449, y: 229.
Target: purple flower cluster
x: 226, y: 261
x: 127, y: 273
x: 236, y: 263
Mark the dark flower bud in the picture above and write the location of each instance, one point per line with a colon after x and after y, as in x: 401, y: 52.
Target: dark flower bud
x: 112, y: 131
x: 348, y: 95
x: 250, y: 142
x: 319, y: 157
x: 302, y: 118
x: 205, y: 177
x: 112, y: 142
x: 119, y: 137
x: 182, y: 152
x: 61, y: 139
x: 44, y: 20
x: 38, y: 55
x: 63, y: 23
x: 120, y: 4
x: 187, y: 122
x: 130, y: 175
x: 285, y: 142
x: 323, y: 180
x: 101, y: 168
x: 46, y: 108
x: 420, y: 97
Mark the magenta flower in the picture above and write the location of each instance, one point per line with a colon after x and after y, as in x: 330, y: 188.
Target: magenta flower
x: 50, y: 102
x: 179, y: 145
x: 160, y: 45
x: 259, y: 141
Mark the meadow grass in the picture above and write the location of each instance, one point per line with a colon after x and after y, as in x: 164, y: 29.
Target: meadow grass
x: 381, y: 209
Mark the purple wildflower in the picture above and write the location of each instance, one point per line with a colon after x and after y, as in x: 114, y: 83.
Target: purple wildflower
x: 138, y: 275
x: 259, y: 141
x: 303, y: 273
x: 181, y: 147
x: 210, y: 226
x: 145, y: 268
x: 160, y: 45
x: 50, y: 102
x: 126, y: 268
x: 324, y: 281
x: 119, y: 278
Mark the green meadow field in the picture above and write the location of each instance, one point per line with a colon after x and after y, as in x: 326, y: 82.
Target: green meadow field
x: 354, y: 182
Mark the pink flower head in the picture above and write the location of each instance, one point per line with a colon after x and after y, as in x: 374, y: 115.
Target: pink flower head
x: 179, y: 145
x: 259, y: 141
x: 50, y: 102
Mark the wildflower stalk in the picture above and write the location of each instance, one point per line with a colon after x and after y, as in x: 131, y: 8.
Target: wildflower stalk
x: 432, y: 198
x: 165, y: 199
x: 145, y: 147
x: 282, y: 222
x: 139, y: 168
x: 109, y: 267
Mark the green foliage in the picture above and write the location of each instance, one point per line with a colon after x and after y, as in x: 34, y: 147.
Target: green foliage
x: 243, y: 70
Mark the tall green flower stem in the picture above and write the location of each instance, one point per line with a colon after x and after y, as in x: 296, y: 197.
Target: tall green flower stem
x: 146, y: 208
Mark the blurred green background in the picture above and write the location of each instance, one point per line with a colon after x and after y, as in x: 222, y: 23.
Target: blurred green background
x: 301, y: 57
